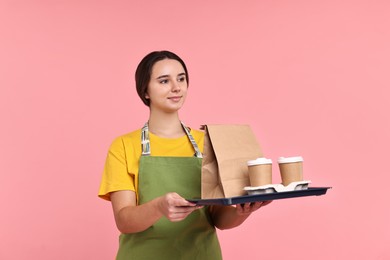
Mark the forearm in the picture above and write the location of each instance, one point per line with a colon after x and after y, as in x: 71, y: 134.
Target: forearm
x: 226, y: 217
x: 133, y: 219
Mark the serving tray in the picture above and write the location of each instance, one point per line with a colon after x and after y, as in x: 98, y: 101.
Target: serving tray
x: 312, y: 191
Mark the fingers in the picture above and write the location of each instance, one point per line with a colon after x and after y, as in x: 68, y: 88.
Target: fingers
x: 176, y: 208
x: 175, y: 199
x: 265, y: 203
x: 179, y: 213
x: 247, y: 208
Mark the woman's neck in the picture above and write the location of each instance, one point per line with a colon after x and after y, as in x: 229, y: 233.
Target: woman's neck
x: 166, y: 125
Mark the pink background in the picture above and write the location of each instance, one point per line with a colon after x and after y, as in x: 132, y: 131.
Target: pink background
x: 310, y: 77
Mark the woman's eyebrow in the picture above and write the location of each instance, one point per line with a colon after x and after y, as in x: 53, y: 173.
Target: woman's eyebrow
x: 163, y: 76
x: 167, y: 76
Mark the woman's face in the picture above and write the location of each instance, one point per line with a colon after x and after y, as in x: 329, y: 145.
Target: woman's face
x: 167, y: 89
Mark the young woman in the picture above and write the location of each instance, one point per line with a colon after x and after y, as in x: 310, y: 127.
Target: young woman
x: 149, y: 173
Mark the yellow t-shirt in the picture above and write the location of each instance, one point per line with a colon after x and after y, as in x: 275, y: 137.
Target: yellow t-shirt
x: 121, y: 168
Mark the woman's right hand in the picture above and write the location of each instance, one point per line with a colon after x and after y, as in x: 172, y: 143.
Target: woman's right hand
x: 174, y: 207
x: 131, y: 218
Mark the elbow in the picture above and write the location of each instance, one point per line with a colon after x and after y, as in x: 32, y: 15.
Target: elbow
x: 225, y: 227
x: 127, y: 228
x: 221, y: 228
x: 123, y: 229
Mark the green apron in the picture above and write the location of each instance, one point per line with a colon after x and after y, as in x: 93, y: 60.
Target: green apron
x: 192, y: 238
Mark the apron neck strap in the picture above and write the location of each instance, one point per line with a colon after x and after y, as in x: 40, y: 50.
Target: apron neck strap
x: 146, y: 143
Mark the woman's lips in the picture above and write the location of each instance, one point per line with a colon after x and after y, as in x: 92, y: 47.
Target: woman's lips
x: 175, y: 98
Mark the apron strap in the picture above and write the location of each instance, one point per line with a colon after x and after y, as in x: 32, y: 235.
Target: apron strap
x: 145, y: 140
x: 146, y: 143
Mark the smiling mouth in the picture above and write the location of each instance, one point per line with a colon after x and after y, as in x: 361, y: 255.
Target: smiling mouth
x: 177, y: 98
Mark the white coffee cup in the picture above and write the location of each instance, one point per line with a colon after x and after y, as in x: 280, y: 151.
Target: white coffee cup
x: 291, y: 169
x: 260, y: 171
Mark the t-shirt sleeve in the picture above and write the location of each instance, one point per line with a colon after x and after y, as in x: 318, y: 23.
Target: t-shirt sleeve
x: 115, y: 175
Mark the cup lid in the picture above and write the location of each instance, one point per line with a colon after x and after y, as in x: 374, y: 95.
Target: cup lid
x: 261, y: 160
x: 290, y: 159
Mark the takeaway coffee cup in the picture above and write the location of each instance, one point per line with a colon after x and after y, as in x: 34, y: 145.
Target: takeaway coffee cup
x: 291, y: 169
x: 260, y: 171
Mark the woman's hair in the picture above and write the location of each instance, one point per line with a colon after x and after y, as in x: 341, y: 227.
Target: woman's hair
x: 144, y: 71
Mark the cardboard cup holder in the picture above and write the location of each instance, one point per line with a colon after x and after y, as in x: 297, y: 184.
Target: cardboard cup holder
x: 271, y: 188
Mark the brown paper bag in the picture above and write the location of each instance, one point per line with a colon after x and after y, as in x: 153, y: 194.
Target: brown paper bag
x: 227, y: 148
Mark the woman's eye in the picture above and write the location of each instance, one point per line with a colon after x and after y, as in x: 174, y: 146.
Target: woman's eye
x: 164, y: 81
x: 182, y: 79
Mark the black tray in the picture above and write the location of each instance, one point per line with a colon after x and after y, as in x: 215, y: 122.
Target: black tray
x: 315, y: 191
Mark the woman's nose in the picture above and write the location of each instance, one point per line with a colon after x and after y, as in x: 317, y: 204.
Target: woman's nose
x: 175, y: 86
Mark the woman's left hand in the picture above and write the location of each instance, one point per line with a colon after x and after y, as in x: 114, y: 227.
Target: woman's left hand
x: 248, y: 208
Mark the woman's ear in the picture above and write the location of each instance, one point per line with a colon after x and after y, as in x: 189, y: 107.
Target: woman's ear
x: 147, y: 96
